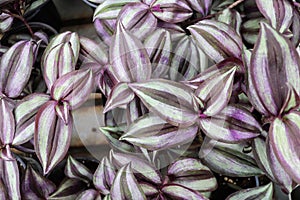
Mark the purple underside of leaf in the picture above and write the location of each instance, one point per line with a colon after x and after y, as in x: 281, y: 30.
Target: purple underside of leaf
x: 129, y: 58
x: 234, y: 124
x: 218, y: 40
x: 52, y: 137
x: 274, y: 64
x: 68, y: 189
x: 125, y: 185
x: 16, y: 65
x: 192, y: 174
x: 25, y: 113
x: 74, y: 88
x: 170, y: 100
x: 284, y: 141
x: 35, y: 186
x: 153, y: 133
x: 7, y: 123
x: 174, y: 191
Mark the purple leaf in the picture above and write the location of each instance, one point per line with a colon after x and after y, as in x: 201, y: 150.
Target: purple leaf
x: 25, y: 113
x: 35, y: 186
x: 139, y: 166
x: 292, y: 100
x: 171, y: 101
x: 232, y: 125
x: 7, y: 123
x: 74, y: 88
x: 138, y: 19
x: 218, y: 40
x: 264, y: 192
x: 149, y: 189
x: 129, y: 58
x: 228, y: 159
x: 68, y: 189
x: 215, y: 91
x: 62, y: 110
x: 201, y: 6
x: 121, y: 95
x: 191, y: 173
x: 76, y: 170
x: 6, y: 21
x: 159, y: 47
x: 175, y: 30
x: 89, y: 194
x: 15, y: 65
x: 285, y: 141
x: 279, y: 13
x: 3, y: 192
x: 188, y: 61
x: 174, y: 191
x: 60, y: 57
x: 91, y: 52
x: 125, y: 185
x: 52, y: 137
x: 9, y: 173
x: 172, y: 11
x: 153, y: 133
x: 283, y: 63
x: 104, y: 176
x: 232, y: 18
x: 107, y: 81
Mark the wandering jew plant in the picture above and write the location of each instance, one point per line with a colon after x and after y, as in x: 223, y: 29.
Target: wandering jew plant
x: 193, y: 90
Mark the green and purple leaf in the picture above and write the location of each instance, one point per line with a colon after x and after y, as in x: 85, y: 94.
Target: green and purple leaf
x: 74, y: 169
x: 89, y: 194
x: 263, y: 192
x: 174, y: 191
x: 201, y: 6
x: 69, y: 189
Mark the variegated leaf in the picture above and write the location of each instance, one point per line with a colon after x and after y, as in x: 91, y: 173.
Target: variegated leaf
x: 139, y: 166
x: 215, y: 91
x: 91, y: 52
x: 159, y: 47
x: 201, y: 6
x: 285, y: 142
x: 232, y: 125
x: 110, y: 9
x: 74, y: 169
x: 174, y: 191
x: 232, y: 18
x: 153, y: 133
x: 104, y: 176
x: 74, y: 88
x: 292, y: 101
x: 3, y: 192
x: 172, y: 11
x: 15, y: 68
x: 149, y: 189
x: 107, y: 81
x: 69, y: 189
x: 25, y: 113
x: 264, y: 192
x: 60, y: 57
x: 229, y: 159
x: 105, y: 29
x: 175, y: 30
x: 35, y: 186
x: 191, y: 173
x: 121, y: 95
x: 7, y: 123
x: 188, y: 60
x: 129, y: 58
x: 278, y: 57
x: 9, y: 173
x: 218, y: 40
x: 125, y: 185
x: 5, y: 22
x: 52, y: 137
x: 170, y: 100
x: 279, y: 13
x: 138, y: 19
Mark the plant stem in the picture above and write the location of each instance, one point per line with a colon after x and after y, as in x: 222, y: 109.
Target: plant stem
x: 236, y: 3
x: 21, y: 19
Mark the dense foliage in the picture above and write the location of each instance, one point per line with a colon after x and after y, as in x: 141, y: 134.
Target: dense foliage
x: 189, y: 85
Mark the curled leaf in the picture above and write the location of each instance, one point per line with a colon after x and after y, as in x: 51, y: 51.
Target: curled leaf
x: 264, y: 192
x: 74, y: 169
x: 68, y: 189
